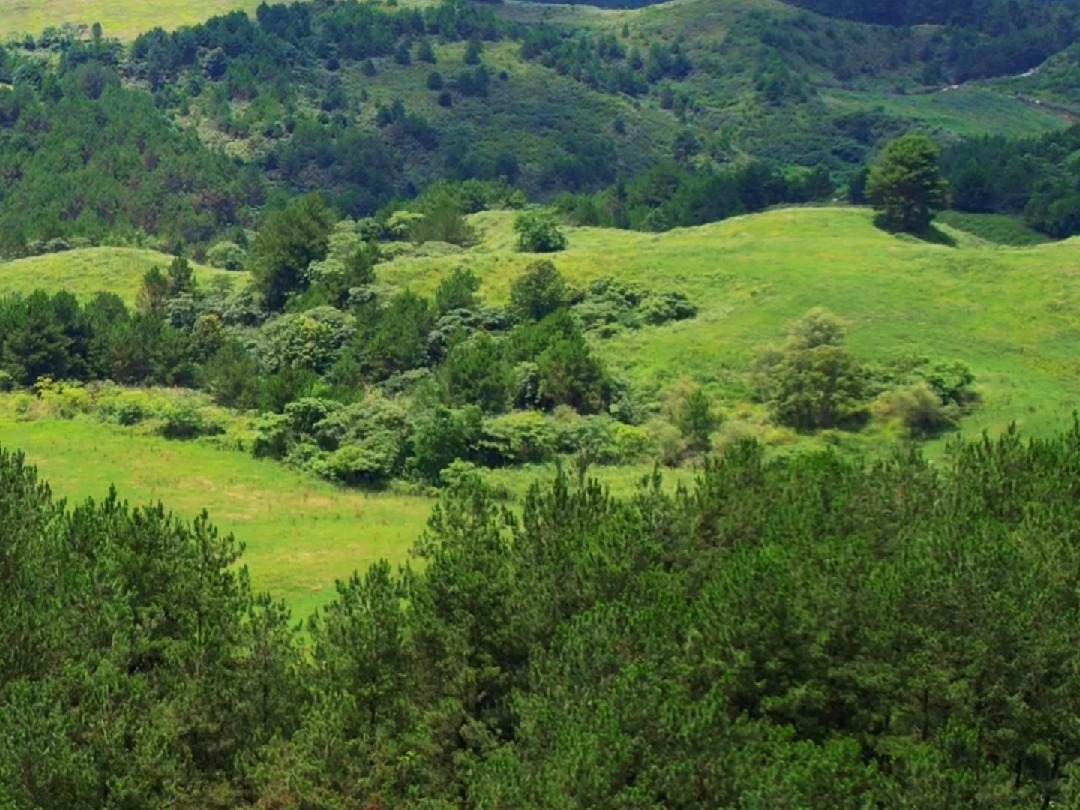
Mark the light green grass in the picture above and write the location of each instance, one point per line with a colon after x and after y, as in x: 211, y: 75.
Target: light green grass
x: 91, y: 270
x: 301, y: 535
x: 1012, y: 314
x: 125, y: 20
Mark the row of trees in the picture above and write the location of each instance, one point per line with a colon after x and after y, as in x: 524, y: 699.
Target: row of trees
x: 815, y: 633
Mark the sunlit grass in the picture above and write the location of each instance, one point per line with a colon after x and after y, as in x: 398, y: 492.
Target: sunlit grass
x: 1012, y: 314
x: 91, y: 270
x: 125, y: 20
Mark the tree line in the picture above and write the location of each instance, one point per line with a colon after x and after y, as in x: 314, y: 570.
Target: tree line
x: 816, y: 631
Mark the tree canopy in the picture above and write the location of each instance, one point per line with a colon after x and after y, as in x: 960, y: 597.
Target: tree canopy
x: 905, y: 185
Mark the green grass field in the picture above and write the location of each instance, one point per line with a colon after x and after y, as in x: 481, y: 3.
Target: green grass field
x: 92, y: 270
x: 301, y: 534
x: 118, y: 19
x: 1010, y: 313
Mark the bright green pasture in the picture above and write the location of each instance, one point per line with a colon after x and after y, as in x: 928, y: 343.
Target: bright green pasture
x: 91, y: 270
x: 1012, y: 314
x: 125, y: 20
x: 301, y: 534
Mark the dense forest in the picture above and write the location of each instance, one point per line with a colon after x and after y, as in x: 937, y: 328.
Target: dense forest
x: 188, y: 137
x: 812, y: 633
x: 809, y: 630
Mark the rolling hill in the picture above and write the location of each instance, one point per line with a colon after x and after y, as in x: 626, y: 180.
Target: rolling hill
x: 1010, y: 313
x: 87, y: 271
x: 125, y: 20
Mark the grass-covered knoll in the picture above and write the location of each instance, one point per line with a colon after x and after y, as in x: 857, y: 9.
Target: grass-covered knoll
x: 1009, y: 313
x: 118, y: 19
x: 87, y: 271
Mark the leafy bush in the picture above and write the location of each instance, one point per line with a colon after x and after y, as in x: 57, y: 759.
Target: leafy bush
x: 310, y: 340
x: 919, y: 409
x: 609, y: 303
x: 226, y: 256
x: 523, y: 437
x: 539, y: 232
x: 537, y: 293
x: 695, y: 419
x: 184, y: 421
x: 812, y: 382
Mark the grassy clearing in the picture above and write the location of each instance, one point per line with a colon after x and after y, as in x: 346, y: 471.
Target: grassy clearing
x: 92, y: 270
x: 118, y: 19
x: 1010, y: 313
x: 301, y: 535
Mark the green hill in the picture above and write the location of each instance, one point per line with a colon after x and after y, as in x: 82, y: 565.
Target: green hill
x: 1010, y: 313
x: 92, y: 270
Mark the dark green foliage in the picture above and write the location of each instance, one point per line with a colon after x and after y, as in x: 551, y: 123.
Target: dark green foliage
x: 812, y: 381
x: 288, y: 242
x: 476, y: 373
x: 609, y: 304
x: 458, y: 291
x: 696, y: 421
x: 672, y: 195
x: 1029, y: 177
x: 539, y: 232
x: 442, y: 219
x: 810, y: 632
x: 538, y: 292
x: 400, y: 342
x: 84, y: 156
x: 905, y: 185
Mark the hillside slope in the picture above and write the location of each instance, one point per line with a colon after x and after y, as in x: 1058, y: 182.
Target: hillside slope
x: 87, y: 271
x: 1009, y: 313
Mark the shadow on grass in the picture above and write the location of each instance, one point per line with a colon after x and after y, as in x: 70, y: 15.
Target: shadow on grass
x: 931, y: 236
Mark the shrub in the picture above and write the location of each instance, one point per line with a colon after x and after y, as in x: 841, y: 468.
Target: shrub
x: 696, y: 420
x: 539, y: 232
x: 226, y: 256
x: 537, y: 293
x: 129, y: 413
x: 812, y: 382
x: 919, y: 409
x: 184, y: 421
x: 272, y: 437
x: 524, y: 437
x: 370, y: 463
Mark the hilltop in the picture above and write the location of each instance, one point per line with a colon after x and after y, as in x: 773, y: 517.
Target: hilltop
x: 86, y: 271
x: 118, y: 19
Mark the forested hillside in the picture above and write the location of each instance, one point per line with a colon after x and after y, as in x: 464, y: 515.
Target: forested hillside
x: 186, y: 136
x: 815, y: 634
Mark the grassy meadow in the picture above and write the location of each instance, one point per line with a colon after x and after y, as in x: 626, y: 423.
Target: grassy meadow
x: 301, y: 534
x: 1009, y: 313
x: 118, y: 19
x: 88, y: 271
